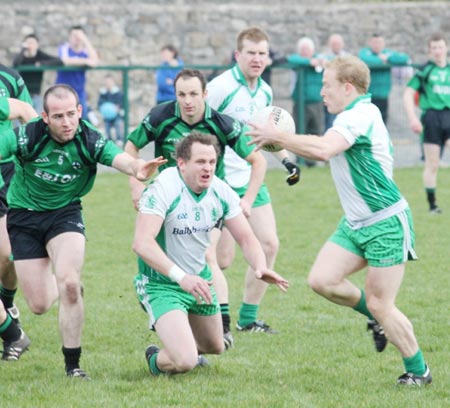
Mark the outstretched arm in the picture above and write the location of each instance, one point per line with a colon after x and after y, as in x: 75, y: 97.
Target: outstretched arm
x: 136, y: 186
x: 308, y: 146
x: 251, y: 248
x: 138, y: 168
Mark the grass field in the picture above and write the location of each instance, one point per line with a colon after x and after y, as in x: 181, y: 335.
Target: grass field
x: 323, y: 356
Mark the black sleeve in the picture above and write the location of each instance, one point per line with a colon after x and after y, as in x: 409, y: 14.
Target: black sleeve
x: 46, y: 59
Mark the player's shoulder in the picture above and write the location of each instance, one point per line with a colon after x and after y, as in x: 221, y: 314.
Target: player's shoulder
x: 162, y: 112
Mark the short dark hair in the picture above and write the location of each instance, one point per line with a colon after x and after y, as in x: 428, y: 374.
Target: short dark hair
x: 60, y: 91
x: 184, y: 147
x: 170, y: 48
x: 32, y: 35
x: 438, y: 36
x: 76, y: 27
x: 187, y: 73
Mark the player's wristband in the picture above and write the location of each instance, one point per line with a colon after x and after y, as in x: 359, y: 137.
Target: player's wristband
x: 176, y: 274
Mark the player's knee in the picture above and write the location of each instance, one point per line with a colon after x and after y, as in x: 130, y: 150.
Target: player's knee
x: 270, y: 247
x: 225, y: 260
x: 185, y: 363
x: 318, y: 284
x: 378, y: 307
x: 39, y: 306
x: 71, y: 291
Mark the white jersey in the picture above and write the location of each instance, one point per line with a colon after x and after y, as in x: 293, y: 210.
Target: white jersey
x: 229, y: 93
x: 188, y: 217
x: 363, y: 174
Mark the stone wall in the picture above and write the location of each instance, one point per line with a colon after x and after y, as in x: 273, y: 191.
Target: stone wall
x: 132, y: 32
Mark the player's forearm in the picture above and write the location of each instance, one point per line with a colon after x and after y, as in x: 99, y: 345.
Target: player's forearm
x: 152, y: 254
x: 408, y: 103
x: 258, y: 173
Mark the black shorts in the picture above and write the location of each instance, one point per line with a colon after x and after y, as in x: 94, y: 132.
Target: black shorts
x: 436, y: 126
x: 29, y: 231
x: 8, y: 170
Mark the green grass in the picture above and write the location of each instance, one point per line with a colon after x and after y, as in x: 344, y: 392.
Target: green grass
x: 323, y: 356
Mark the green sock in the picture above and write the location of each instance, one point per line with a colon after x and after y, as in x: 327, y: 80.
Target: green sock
x: 9, y: 331
x: 361, y: 306
x: 247, y: 314
x: 415, y: 364
x: 7, y: 296
x: 153, y: 366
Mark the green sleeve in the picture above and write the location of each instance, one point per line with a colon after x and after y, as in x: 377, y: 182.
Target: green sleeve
x: 241, y: 146
x: 296, y: 59
x: 414, y: 83
x: 108, y: 153
x: 141, y: 136
x: 4, y: 109
x: 8, y: 144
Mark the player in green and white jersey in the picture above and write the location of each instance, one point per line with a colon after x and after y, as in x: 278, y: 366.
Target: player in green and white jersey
x: 177, y: 211
x: 241, y: 92
x: 12, y: 85
x: 377, y: 230
x: 57, y: 156
x: 15, y: 341
x: 168, y: 123
x: 432, y: 82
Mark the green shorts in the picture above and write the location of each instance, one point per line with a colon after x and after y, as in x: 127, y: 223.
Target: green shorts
x: 262, y: 198
x: 386, y: 243
x: 158, y: 298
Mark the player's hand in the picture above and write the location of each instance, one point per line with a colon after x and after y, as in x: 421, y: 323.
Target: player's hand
x: 147, y: 169
x: 246, y: 207
x: 416, y: 125
x: 273, y: 278
x: 264, y: 134
x: 293, y: 170
x: 197, y: 287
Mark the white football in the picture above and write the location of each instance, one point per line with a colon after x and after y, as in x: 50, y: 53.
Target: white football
x: 282, y: 119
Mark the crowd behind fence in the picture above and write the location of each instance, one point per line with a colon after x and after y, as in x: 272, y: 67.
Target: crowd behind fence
x: 406, y: 144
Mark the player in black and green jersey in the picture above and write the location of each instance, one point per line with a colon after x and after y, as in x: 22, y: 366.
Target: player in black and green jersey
x: 12, y: 85
x: 168, y: 123
x: 432, y: 82
x: 15, y: 341
x: 57, y: 158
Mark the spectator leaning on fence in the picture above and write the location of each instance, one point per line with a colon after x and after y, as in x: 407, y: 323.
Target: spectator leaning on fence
x: 379, y: 59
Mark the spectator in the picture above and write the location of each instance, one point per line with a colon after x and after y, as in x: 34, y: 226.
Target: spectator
x: 336, y: 48
x: 379, y: 59
x: 77, y: 52
x: 165, y: 76
x: 31, y: 54
x: 110, y: 105
x: 314, y: 111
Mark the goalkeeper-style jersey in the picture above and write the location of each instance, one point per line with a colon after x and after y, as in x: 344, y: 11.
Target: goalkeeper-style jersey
x: 363, y: 174
x: 50, y: 175
x: 188, y: 218
x: 229, y: 93
x: 433, y: 84
x: 164, y: 126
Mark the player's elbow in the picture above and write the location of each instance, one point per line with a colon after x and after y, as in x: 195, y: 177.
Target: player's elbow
x: 138, y: 247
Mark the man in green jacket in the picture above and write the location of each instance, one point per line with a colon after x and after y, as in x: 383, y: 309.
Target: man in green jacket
x: 380, y: 59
